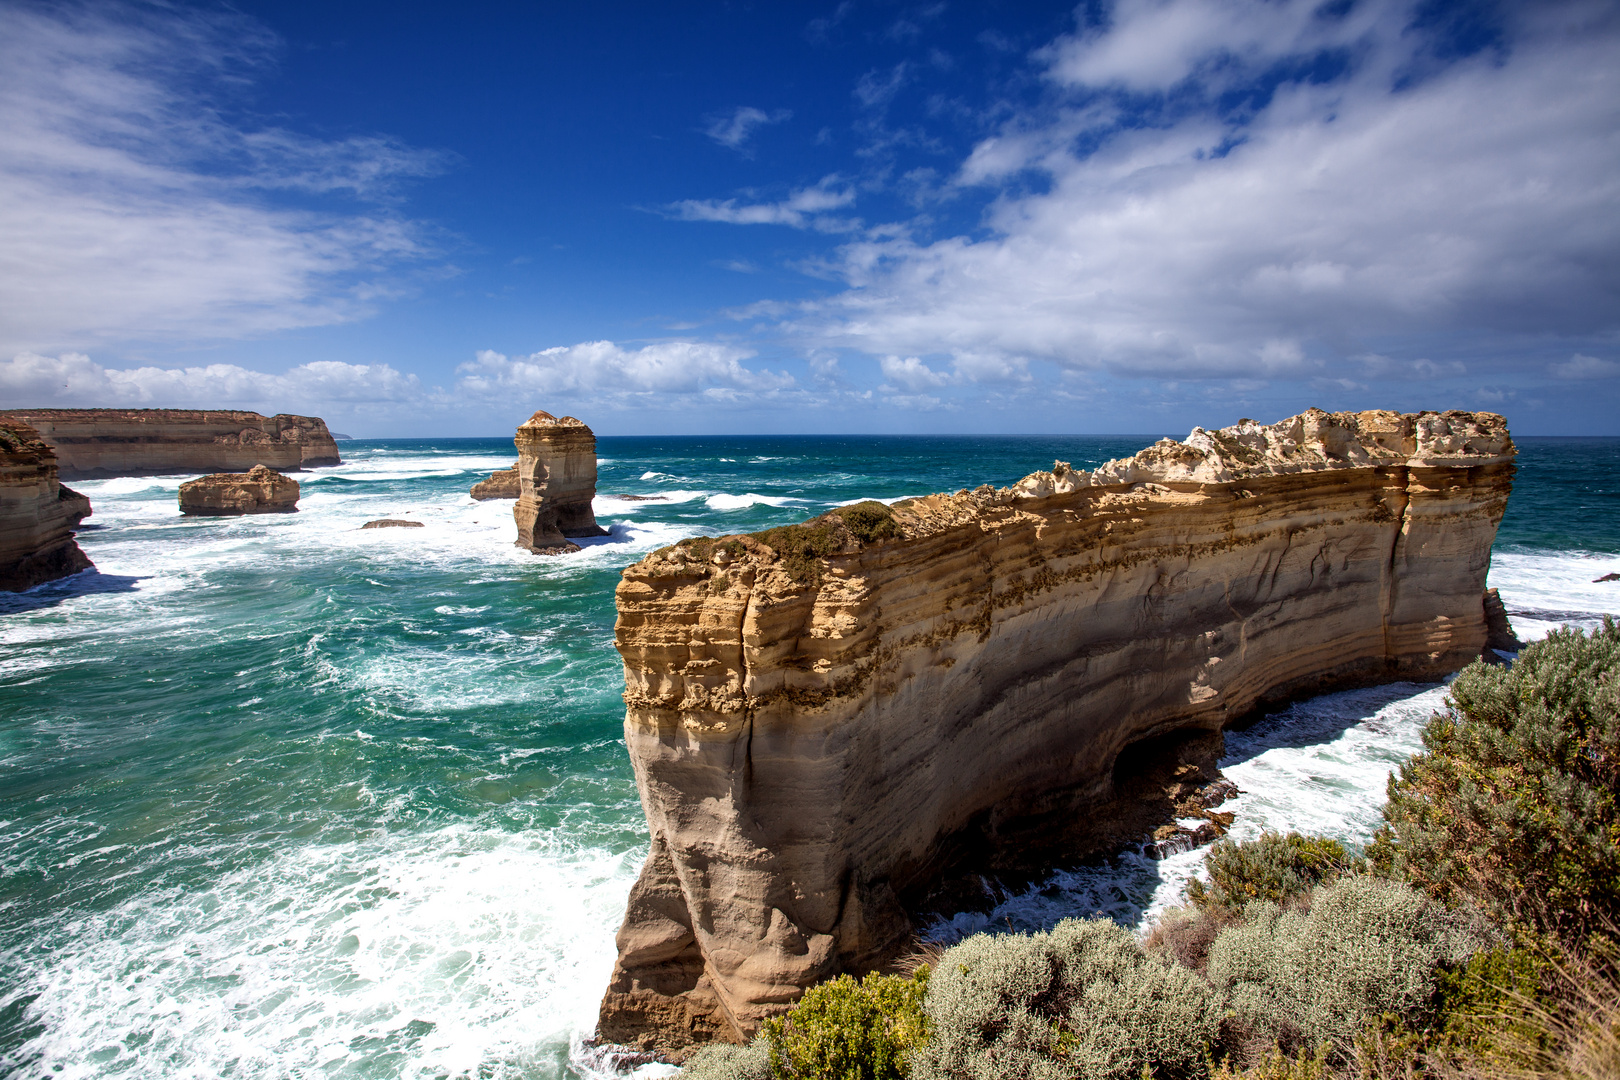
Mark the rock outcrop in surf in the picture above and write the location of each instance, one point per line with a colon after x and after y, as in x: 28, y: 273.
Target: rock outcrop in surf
x: 501, y: 484
x: 260, y: 490
x: 37, y: 513
x: 95, y: 443
x: 835, y: 725
x: 557, y: 481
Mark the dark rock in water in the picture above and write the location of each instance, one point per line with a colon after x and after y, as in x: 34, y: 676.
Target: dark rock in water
x: 392, y: 523
x: 643, y: 498
x: 260, y: 490
x: 1499, y: 635
x: 502, y: 484
x: 37, y: 513
x: 1606, y: 577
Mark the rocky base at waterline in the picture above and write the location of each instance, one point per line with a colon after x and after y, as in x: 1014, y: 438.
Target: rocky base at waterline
x: 37, y: 513
x: 393, y: 523
x: 831, y: 723
x: 502, y: 484
x: 96, y: 443
x: 557, y: 481
x: 260, y: 490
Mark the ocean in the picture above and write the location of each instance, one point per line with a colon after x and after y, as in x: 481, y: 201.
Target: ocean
x: 280, y: 797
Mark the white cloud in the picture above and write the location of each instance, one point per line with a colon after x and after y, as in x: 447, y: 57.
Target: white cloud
x: 735, y: 129
x: 911, y: 373
x: 604, y: 370
x: 1580, y: 366
x: 1400, y: 198
x: 803, y: 209
x: 130, y: 208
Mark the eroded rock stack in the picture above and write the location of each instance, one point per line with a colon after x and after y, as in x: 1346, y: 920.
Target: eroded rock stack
x: 557, y: 481
x: 832, y: 723
x: 260, y: 490
x: 502, y: 484
x: 37, y: 513
x: 94, y: 443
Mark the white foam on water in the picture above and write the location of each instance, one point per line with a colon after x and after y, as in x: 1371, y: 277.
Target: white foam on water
x: 742, y: 502
x: 459, y: 952
x: 1544, y: 591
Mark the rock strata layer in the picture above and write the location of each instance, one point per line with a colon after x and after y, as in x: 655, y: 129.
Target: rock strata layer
x: 393, y: 523
x: 37, y: 513
x: 557, y: 481
x: 502, y: 484
x: 94, y: 443
x: 260, y: 490
x: 833, y: 722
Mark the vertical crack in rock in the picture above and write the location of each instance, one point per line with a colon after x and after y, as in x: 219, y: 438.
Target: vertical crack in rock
x: 1049, y: 656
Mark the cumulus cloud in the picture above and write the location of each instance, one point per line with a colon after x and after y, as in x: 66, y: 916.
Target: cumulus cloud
x: 735, y: 128
x: 803, y: 209
x: 603, y: 370
x: 1367, y: 188
x: 1581, y: 366
x: 911, y: 373
x: 131, y: 208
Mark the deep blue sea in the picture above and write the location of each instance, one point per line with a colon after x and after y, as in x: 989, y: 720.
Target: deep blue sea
x: 280, y: 797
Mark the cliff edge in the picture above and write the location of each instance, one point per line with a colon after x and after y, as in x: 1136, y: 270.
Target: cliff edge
x: 831, y: 722
x: 37, y: 513
x: 95, y: 443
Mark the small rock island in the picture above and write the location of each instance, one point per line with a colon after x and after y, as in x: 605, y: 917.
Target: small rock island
x: 557, y: 480
x: 834, y: 724
x: 260, y: 490
x: 37, y: 512
x: 502, y: 484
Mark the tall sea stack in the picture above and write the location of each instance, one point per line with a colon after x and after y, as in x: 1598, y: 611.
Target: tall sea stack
x: 95, y: 443
x: 833, y: 722
x: 37, y: 513
x: 557, y: 481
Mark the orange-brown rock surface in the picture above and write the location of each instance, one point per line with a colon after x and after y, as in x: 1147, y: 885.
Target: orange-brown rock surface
x: 37, y: 513
x: 557, y: 481
x: 93, y: 443
x: 831, y: 723
x: 260, y: 490
x: 502, y: 484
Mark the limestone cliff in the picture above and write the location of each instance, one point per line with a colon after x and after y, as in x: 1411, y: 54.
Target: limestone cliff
x: 502, y: 484
x: 260, y: 490
x: 37, y: 513
x: 93, y: 443
x: 831, y: 723
x: 556, y: 483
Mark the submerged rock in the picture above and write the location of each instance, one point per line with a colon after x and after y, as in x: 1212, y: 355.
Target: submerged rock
x: 260, y: 490
x: 94, y: 443
x: 392, y: 523
x: 834, y: 725
x: 502, y: 484
x: 557, y: 476
x: 37, y: 513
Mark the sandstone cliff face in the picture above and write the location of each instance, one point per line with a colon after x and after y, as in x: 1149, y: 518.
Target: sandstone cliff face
x: 557, y: 481
x: 94, y: 443
x: 502, y: 484
x: 830, y: 722
x: 260, y: 490
x: 37, y: 514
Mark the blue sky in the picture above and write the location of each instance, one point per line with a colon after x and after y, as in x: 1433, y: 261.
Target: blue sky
x: 1131, y: 216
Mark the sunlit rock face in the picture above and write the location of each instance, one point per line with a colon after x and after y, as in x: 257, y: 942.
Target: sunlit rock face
x: 834, y: 727
x: 501, y: 484
x: 260, y: 490
x: 37, y: 513
x: 94, y: 443
x: 556, y: 483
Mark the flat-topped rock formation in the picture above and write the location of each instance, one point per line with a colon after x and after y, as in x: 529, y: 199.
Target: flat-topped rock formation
x: 833, y: 725
x: 502, y: 484
x: 393, y: 523
x: 37, y: 513
x: 94, y: 443
x: 260, y: 490
x: 557, y: 481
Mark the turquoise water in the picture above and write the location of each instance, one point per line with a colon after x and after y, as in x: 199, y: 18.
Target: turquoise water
x: 285, y: 798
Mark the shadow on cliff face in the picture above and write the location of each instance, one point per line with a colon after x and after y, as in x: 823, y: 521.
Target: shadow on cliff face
x: 84, y: 583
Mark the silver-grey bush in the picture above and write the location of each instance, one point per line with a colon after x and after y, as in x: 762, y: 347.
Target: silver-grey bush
x: 721, y: 1061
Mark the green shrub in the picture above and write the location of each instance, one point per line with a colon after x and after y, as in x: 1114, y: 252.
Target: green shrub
x: 800, y: 548
x: 848, y: 1030
x: 1515, y: 801
x: 722, y: 1061
x: 1274, y: 867
x: 1311, y: 978
x: 869, y: 521
x: 1080, y: 1000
